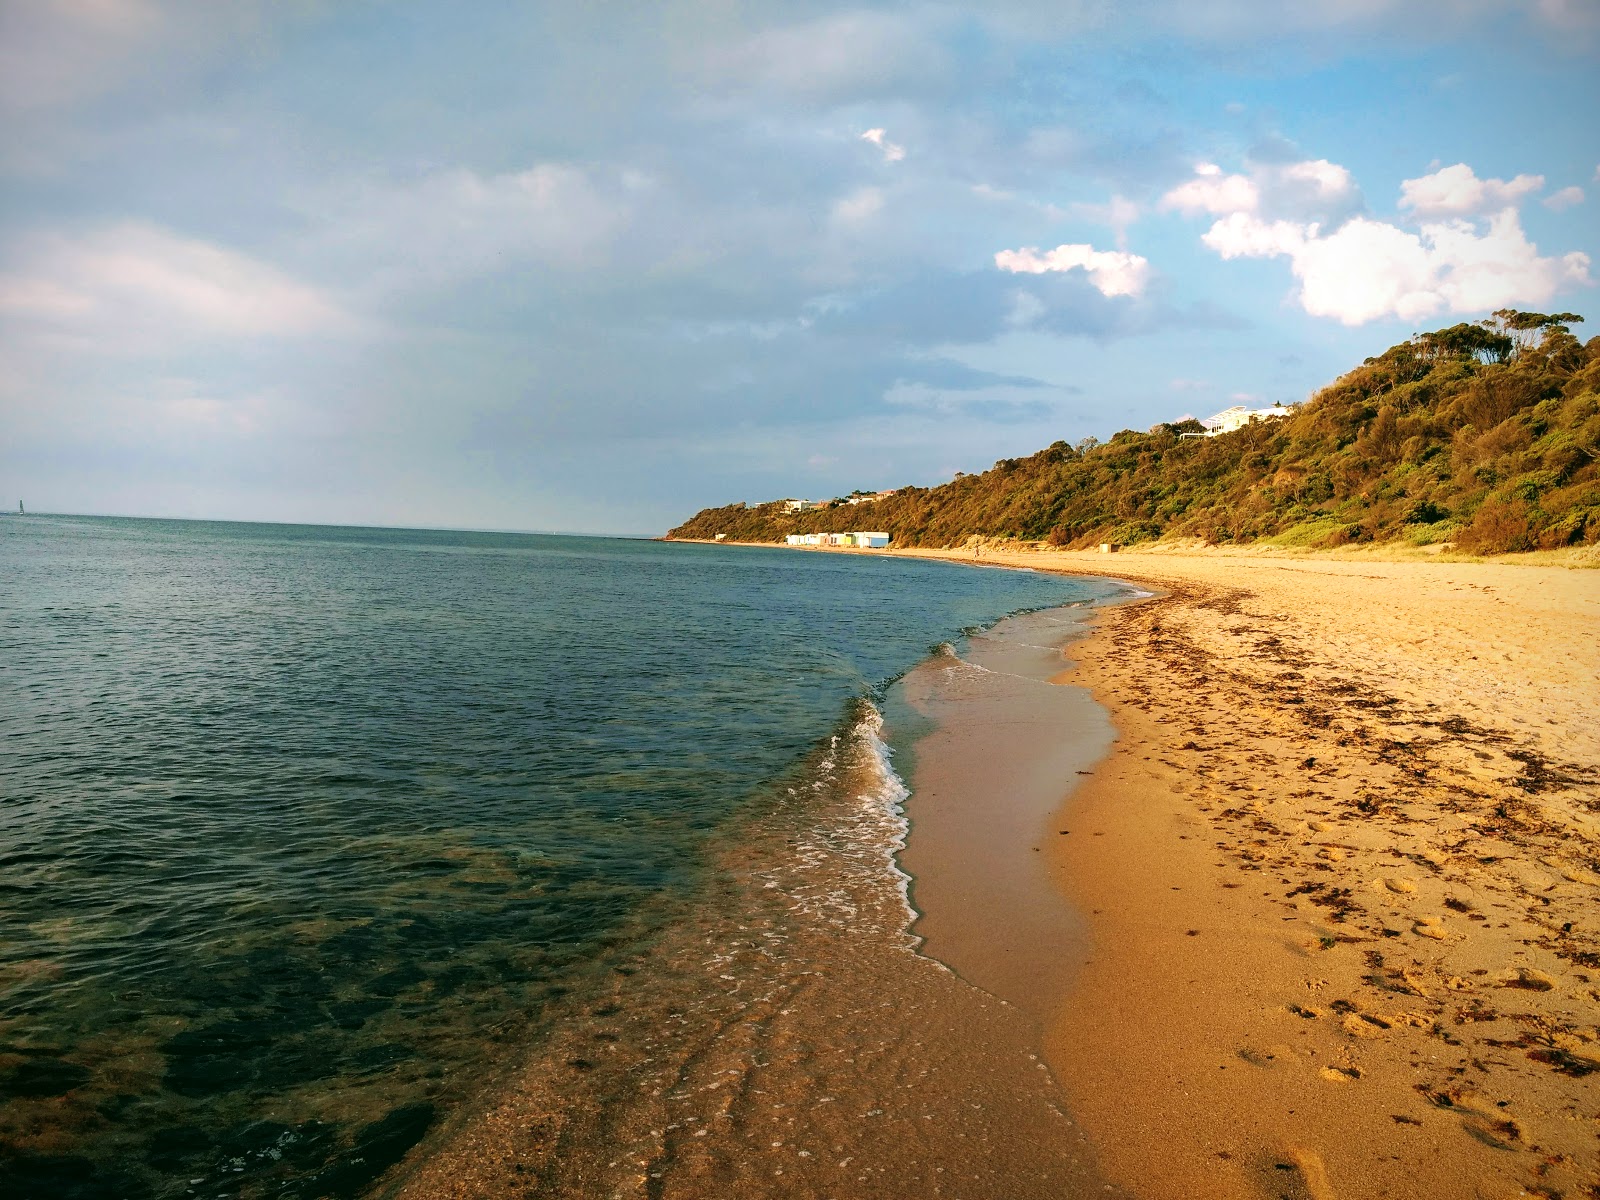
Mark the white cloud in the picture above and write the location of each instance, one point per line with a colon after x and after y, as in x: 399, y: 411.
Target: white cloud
x: 139, y: 287
x: 1312, y: 188
x: 880, y: 139
x: 1457, y: 192
x: 1368, y: 269
x: 1113, y: 272
x: 1315, y: 178
x: 1564, y: 199
x: 1213, y: 192
x: 1241, y: 235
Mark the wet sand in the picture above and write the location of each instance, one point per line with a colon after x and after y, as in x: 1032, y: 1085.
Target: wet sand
x: 787, y: 1041
x: 1340, y: 877
x: 986, y: 779
x: 1329, y: 926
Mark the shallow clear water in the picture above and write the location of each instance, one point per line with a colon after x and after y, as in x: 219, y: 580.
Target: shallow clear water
x: 305, y: 831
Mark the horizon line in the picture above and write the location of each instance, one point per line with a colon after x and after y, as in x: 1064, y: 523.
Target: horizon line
x: 340, y: 525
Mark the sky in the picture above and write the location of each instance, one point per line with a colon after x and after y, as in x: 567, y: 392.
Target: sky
x: 591, y: 268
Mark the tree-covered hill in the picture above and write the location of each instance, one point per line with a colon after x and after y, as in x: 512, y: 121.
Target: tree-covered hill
x: 1484, y: 435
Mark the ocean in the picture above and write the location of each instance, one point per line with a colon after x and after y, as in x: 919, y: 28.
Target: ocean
x: 317, y: 843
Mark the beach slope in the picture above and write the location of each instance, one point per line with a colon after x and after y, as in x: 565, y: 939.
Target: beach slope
x: 1340, y: 875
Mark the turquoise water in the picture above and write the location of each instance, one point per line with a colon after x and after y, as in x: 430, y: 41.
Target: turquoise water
x: 303, y: 830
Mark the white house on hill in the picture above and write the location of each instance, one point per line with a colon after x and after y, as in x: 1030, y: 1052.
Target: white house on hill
x: 1239, y: 416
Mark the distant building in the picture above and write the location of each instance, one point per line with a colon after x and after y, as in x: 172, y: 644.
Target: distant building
x: 1239, y: 416
x: 861, y: 541
x: 795, y: 506
x: 869, y: 498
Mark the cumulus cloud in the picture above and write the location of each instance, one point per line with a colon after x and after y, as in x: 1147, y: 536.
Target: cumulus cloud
x: 1306, y: 189
x: 880, y: 139
x: 1457, y: 192
x: 139, y: 287
x: 1368, y: 269
x: 1564, y: 199
x: 1467, y: 254
x: 1210, y: 191
x: 1112, y: 272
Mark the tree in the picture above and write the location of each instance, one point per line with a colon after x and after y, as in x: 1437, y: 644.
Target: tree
x: 1527, y: 328
x: 1464, y: 341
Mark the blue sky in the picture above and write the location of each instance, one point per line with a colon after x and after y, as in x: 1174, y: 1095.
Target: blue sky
x: 591, y: 268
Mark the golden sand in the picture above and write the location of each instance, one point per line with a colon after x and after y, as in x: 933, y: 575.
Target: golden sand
x: 1337, y: 928
x: 1341, y: 879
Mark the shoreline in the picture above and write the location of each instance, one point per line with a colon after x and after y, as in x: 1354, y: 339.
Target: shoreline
x: 995, y: 735
x: 1339, y: 874
x: 1283, y: 970
x: 787, y: 1038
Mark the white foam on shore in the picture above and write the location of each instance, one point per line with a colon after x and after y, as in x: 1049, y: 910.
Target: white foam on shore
x: 886, y: 799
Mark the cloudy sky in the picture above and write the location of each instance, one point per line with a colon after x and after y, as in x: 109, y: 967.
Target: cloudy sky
x: 592, y: 267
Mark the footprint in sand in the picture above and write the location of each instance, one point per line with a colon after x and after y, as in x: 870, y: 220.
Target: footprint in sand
x: 1312, y: 1173
x: 1268, y: 1058
x: 1489, y: 1124
x: 1399, y: 885
x: 1297, y: 1174
x: 1430, y: 927
x: 1364, y: 1025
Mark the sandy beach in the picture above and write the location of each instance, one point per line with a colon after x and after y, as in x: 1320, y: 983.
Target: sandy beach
x: 1304, y: 908
x: 1339, y: 874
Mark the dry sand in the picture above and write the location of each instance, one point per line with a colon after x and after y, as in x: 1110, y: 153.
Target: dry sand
x: 1341, y: 879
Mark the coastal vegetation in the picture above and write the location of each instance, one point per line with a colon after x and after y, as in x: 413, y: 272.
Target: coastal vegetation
x: 1482, y: 435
